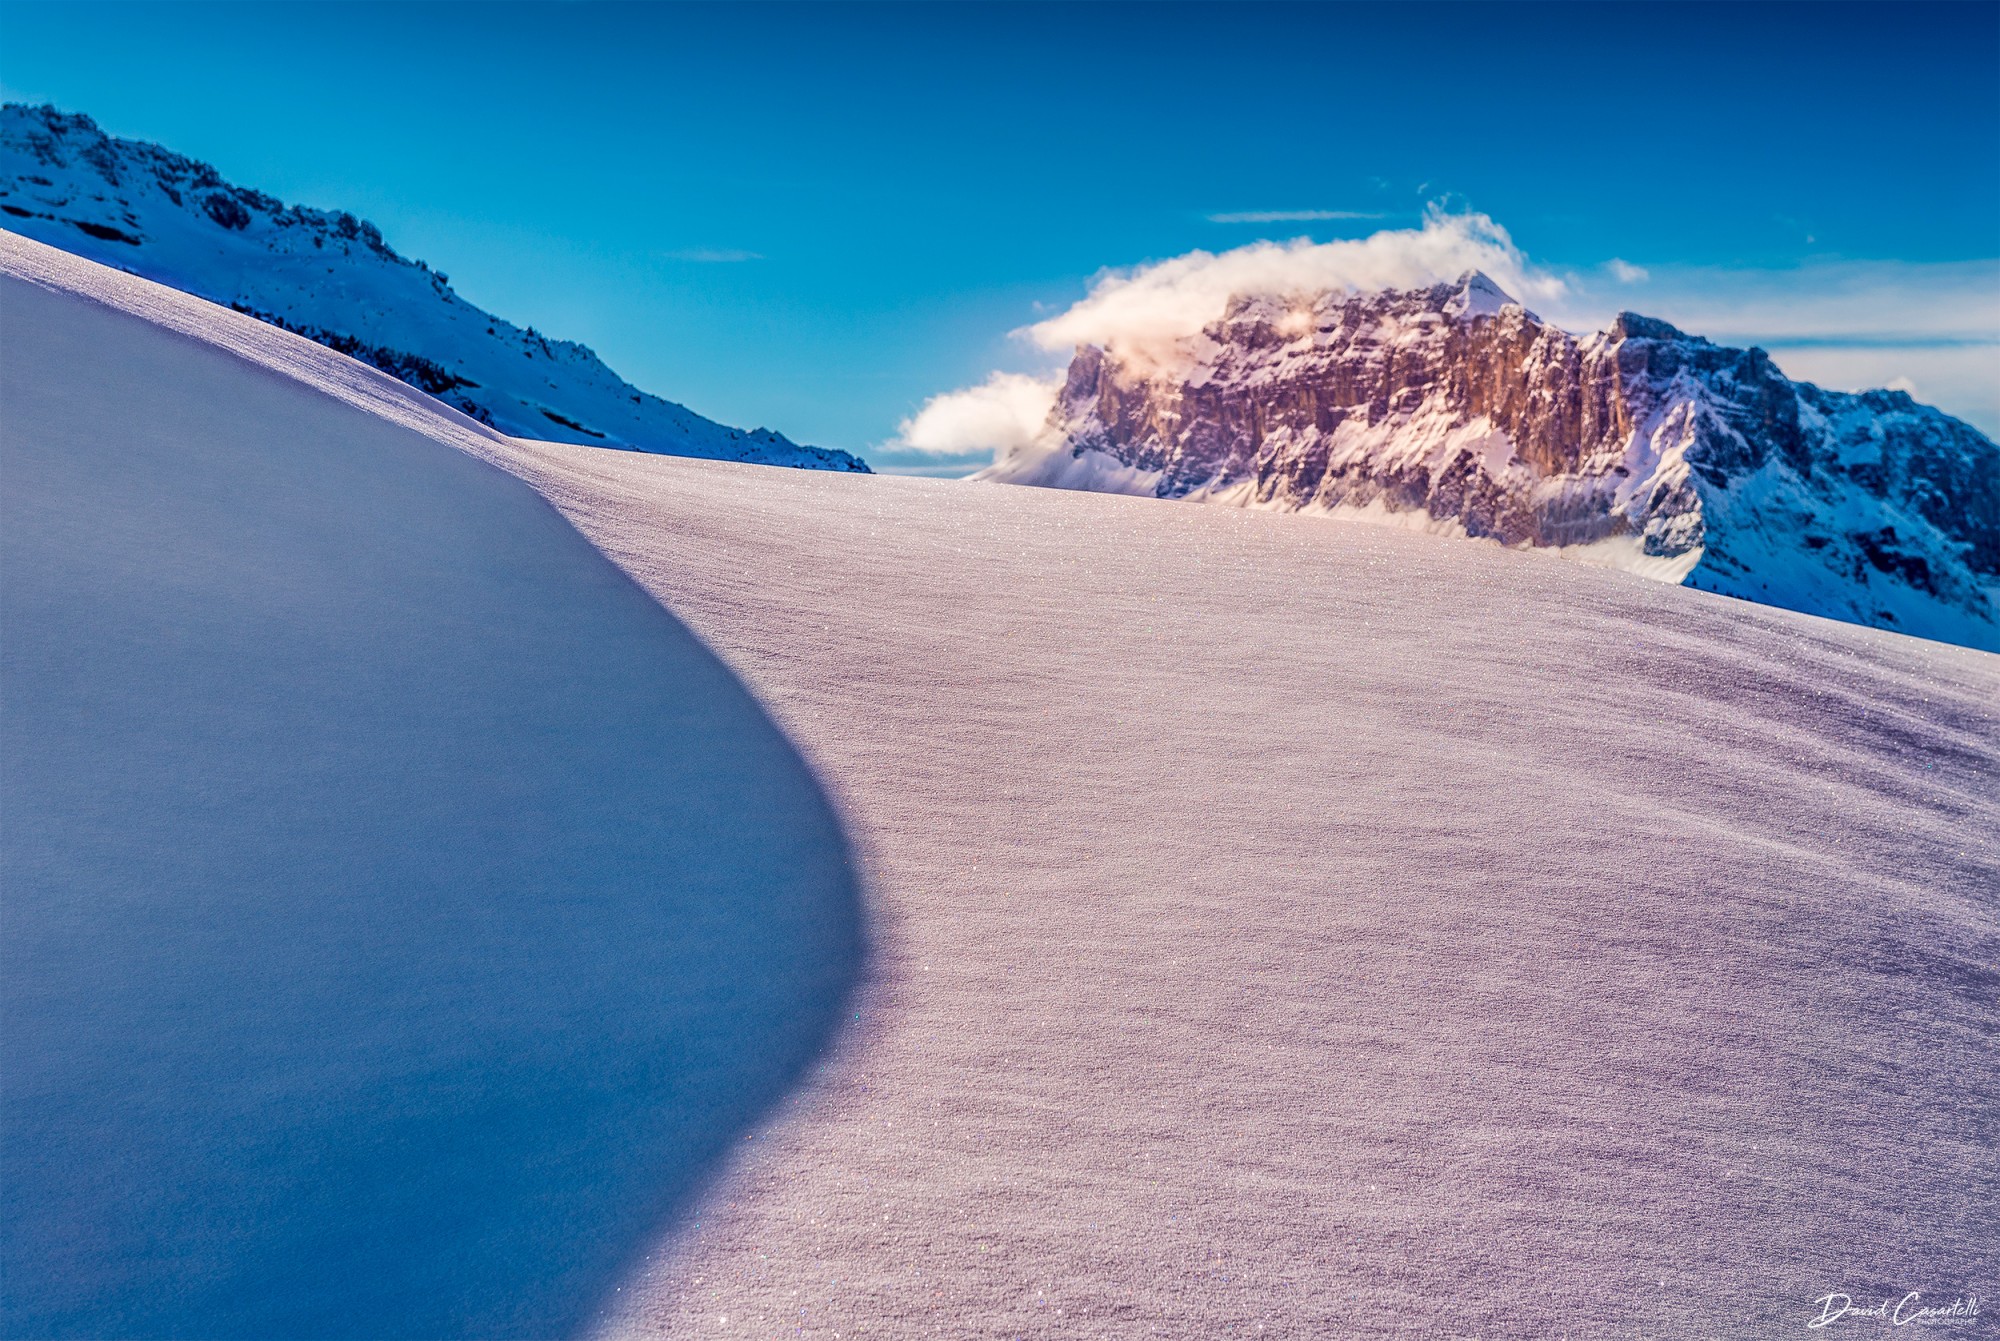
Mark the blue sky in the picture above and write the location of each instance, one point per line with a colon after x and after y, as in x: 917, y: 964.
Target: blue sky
x: 816, y: 218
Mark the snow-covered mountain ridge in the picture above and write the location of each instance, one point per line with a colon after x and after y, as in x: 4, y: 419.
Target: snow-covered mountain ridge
x: 331, y: 277
x: 1455, y: 409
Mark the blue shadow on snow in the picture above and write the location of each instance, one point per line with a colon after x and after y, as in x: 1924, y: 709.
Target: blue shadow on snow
x: 403, y: 912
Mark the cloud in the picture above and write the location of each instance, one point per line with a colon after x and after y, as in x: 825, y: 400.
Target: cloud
x: 1885, y: 303
x: 1963, y: 381
x: 1001, y: 414
x: 1845, y: 325
x: 713, y: 255
x: 1289, y: 216
x: 1143, y: 312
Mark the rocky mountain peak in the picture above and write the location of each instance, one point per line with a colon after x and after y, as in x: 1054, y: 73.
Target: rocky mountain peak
x: 1454, y: 409
x: 1476, y: 295
x: 1632, y: 326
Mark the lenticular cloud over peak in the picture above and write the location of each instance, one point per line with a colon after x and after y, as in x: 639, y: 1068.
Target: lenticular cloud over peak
x: 1141, y: 313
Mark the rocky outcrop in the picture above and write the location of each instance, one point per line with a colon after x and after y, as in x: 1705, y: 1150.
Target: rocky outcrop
x: 1455, y: 409
x: 333, y: 278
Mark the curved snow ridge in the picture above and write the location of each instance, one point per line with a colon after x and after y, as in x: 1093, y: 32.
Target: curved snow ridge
x: 254, y: 341
x: 404, y: 913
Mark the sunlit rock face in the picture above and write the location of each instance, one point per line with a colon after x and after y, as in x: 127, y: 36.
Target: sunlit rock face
x: 1456, y: 409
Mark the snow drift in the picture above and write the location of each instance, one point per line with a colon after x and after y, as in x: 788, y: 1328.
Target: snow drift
x: 402, y: 910
x: 1292, y: 927
x: 1277, y: 925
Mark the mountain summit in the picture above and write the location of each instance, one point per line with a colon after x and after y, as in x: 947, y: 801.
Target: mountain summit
x: 1454, y: 409
x: 331, y: 277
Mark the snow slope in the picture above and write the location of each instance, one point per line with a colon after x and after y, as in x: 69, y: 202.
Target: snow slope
x: 402, y: 911
x: 332, y: 277
x: 1290, y: 927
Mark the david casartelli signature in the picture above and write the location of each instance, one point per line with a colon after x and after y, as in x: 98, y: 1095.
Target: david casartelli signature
x: 1909, y: 1311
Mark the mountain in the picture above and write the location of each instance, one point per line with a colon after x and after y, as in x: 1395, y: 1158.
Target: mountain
x: 331, y: 277
x: 1255, y: 925
x: 1455, y: 409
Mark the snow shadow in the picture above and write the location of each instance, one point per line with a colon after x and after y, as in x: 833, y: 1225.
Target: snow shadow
x: 403, y: 914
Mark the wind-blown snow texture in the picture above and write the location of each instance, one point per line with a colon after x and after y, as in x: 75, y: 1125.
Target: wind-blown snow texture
x: 1286, y: 926
x: 332, y: 277
x: 402, y: 911
x: 1457, y: 410
x: 1300, y: 928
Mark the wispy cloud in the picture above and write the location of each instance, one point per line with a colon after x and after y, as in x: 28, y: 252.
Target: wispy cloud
x: 1881, y: 303
x: 1291, y: 216
x: 714, y: 255
x: 1625, y: 272
x: 1846, y: 325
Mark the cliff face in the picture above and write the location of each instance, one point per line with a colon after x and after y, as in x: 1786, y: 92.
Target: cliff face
x: 1455, y: 409
x: 333, y: 278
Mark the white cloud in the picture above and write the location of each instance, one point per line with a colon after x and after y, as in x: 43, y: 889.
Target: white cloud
x: 1002, y: 413
x: 1141, y: 313
x: 1289, y: 216
x: 1961, y: 380
x: 1835, y: 303
x: 1845, y: 325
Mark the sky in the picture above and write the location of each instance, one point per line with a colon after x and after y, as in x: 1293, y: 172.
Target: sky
x: 820, y: 218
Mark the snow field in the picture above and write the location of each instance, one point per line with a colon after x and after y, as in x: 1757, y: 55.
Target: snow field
x: 1292, y: 924
x: 402, y: 911
x: 1277, y: 925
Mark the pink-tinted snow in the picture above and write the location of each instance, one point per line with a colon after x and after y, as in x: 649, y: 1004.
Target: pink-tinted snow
x: 1289, y: 927
x: 1297, y: 927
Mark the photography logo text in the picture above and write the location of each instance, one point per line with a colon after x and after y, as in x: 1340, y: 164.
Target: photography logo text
x: 1908, y: 1311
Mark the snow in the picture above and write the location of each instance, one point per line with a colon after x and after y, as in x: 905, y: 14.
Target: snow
x: 1628, y: 553
x: 1320, y: 927
x: 1275, y: 924
x: 1477, y: 296
x: 403, y: 912
x: 1088, y: 470
x: 1876, y: 509
x: 137, y: 207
